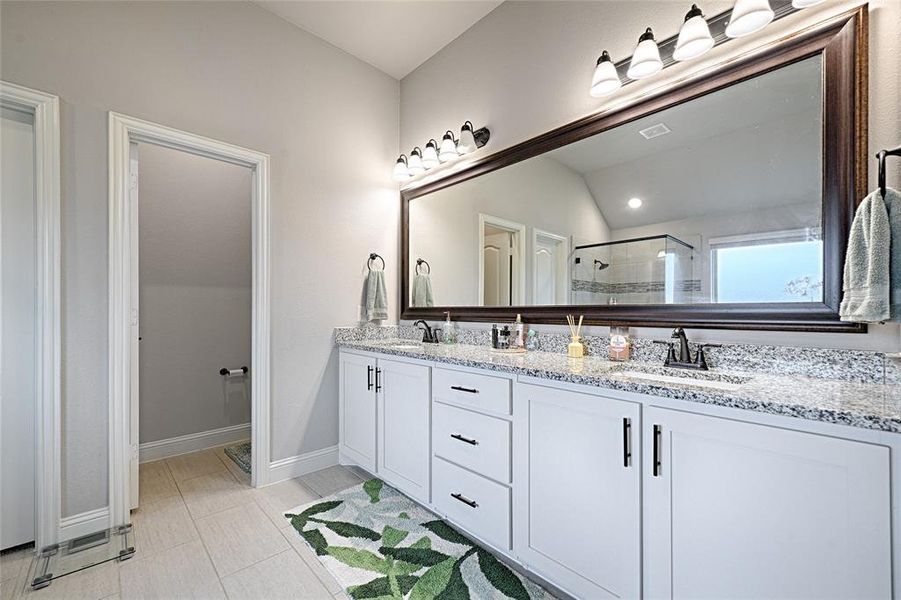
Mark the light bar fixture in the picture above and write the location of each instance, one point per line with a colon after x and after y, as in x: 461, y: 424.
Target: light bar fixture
x: 434, y: 154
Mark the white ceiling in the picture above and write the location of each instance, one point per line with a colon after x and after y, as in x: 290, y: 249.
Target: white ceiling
x: 393, y: 36
x: 749, y: 146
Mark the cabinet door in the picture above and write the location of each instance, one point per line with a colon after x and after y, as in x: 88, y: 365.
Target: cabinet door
x: 740, y: 510
x: 576, y: 479
x: 404, y: 426
x: 357, y: 430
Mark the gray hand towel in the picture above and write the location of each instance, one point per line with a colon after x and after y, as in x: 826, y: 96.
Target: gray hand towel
x: 868, y: 263
x: 893, y: 206
x: 422, y: 291
x: 376, y: 297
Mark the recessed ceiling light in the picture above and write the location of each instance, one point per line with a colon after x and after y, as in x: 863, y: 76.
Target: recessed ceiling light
x: 653, y: 131
x: 634, y: 202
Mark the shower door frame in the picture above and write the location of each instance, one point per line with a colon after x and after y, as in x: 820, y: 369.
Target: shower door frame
x: 123, y: 131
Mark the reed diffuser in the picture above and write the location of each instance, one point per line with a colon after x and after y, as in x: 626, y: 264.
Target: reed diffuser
x: 575, y: 349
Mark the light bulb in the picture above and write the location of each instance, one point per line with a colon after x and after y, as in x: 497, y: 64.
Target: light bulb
x: 400, y: 173
x: 748, y: 16
x: 605, y: 80
x: 430, y: 155
x: 414, y: 163
x: 467, y: 142
x: 694, y: 37
x: 646, y: 58
x: 448, y: 148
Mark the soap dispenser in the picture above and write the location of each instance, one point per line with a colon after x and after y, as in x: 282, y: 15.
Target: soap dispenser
x: 450, y: 333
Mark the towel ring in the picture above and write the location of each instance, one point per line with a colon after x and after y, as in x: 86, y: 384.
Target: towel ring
x: 419, y: 263
x: 881, y: 156
x: 372, y: 257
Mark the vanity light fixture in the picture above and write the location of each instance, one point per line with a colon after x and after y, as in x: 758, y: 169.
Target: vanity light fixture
x: 694, y: 37
x: 605, y: 80
x: 799, y: 4
x: 401, y: 173
x: 467, y: 141
x: 414, y: 163
x: 634, y: 203
x: 448, y: 148
x: 646, y: 58
x: 749, y: 16
x: 430, y: 155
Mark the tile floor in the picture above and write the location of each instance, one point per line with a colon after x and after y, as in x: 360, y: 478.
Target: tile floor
x: 202, y: 532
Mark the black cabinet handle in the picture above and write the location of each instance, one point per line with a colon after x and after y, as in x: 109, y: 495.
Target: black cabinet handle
x: 464, y: 389
x: 465, y: 500
x: 466, y: 440
x: 368, y: 377
x: 627, y: 442
x: 378, y: 384
x: 658, y: 459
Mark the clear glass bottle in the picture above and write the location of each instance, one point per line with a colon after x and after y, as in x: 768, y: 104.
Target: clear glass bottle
x: 620, y: 344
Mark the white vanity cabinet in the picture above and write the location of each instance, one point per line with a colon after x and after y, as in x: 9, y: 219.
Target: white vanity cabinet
x: 385, y: 419
x: 740, y: 509
x: 578, y: 475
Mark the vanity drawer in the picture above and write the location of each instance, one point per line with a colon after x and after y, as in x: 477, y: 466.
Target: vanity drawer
x: 483, y: 392
x: 478, y: 442
x: 475, y: 503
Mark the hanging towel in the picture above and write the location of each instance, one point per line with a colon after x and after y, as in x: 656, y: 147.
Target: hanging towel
x: 376, y: 296
x: 867, y: 271
x: 422, y: 291
x: 893, y: 206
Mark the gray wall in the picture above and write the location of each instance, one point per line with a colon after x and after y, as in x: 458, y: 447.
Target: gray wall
x: 234, y: 72
x: 525, y: 69
x: 195, y: 296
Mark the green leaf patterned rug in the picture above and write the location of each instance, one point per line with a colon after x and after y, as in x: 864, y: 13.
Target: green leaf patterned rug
x: 381, y: 545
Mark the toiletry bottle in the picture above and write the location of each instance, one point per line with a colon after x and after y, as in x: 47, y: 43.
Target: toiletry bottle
x: 620, y: 344
x: 503, y: 338
x: 532, y: 340
x: 518, y: 337
x: 494, y: 336
x: 450, y: 332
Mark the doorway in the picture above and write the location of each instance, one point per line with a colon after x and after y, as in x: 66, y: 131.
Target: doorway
x: 501, y: 262
x: 550, y: 268
x: 126, y: 330
x: 29, y: 325
x: 192, y: 292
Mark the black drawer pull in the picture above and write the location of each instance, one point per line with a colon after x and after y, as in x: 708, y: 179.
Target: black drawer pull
x: 465, y: 500
x: 369, y: 371
x: 658, y: 450
x: 466, y: 440
x: 627, y: 442
x: 464, y: 389
x: 378, y: 384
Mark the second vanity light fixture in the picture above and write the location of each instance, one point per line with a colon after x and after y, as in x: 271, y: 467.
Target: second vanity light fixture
x: 697, y: 36
x: 434, y: 153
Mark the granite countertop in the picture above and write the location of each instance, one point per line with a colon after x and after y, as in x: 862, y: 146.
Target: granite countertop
x: 867, y: 405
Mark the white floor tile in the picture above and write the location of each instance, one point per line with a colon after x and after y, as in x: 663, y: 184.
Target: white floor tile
x: 309, y: 557
x: 181, y: 572
x: 94, y: 583
x: 239, y: 537
x: 276, y: 499
x: 187, y: 466
x: 162, y: 525
x: 213, y: 493
x: 330, y: 480
x: 282, y: 577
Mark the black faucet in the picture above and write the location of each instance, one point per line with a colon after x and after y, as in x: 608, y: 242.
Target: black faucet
x: 429, y: 335
x: 684, y: 360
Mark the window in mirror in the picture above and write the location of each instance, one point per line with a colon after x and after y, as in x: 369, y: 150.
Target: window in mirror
x: 730, y: 190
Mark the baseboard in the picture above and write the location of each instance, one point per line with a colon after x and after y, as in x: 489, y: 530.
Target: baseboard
x: 295, y: 466
x: 83, y: 523
x: 193, y: 442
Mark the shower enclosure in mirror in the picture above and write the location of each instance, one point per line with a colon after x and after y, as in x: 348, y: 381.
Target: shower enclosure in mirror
x: 724, y: 202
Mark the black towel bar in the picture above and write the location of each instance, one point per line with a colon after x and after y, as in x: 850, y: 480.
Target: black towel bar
x: 881, y: 156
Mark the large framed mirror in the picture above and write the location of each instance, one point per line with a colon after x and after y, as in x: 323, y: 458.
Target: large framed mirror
x: 724, y: 202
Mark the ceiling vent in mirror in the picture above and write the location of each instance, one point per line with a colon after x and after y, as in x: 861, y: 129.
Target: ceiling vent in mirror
x: 653, y: 131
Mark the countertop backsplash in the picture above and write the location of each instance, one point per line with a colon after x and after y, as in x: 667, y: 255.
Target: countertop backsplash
x: 855, y: 366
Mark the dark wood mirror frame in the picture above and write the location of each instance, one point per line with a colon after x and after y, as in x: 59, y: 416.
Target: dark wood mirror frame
x: 844, y: 50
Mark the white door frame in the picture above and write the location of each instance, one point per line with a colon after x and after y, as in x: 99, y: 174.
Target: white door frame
x: 124, y: 130
x: 519, y: 277
x: 45, y: 108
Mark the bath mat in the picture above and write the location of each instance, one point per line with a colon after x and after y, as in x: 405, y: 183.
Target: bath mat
x: 240, y: 454
x: 380, y: 544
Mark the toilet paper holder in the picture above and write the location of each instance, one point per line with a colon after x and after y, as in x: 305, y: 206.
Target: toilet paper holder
x: 233, y: 372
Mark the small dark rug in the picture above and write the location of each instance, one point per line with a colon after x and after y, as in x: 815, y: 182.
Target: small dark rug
x: 240, y: 454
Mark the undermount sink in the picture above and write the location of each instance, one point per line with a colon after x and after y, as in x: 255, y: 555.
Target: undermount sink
x: 705, y: 379
x: 401, y: 344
